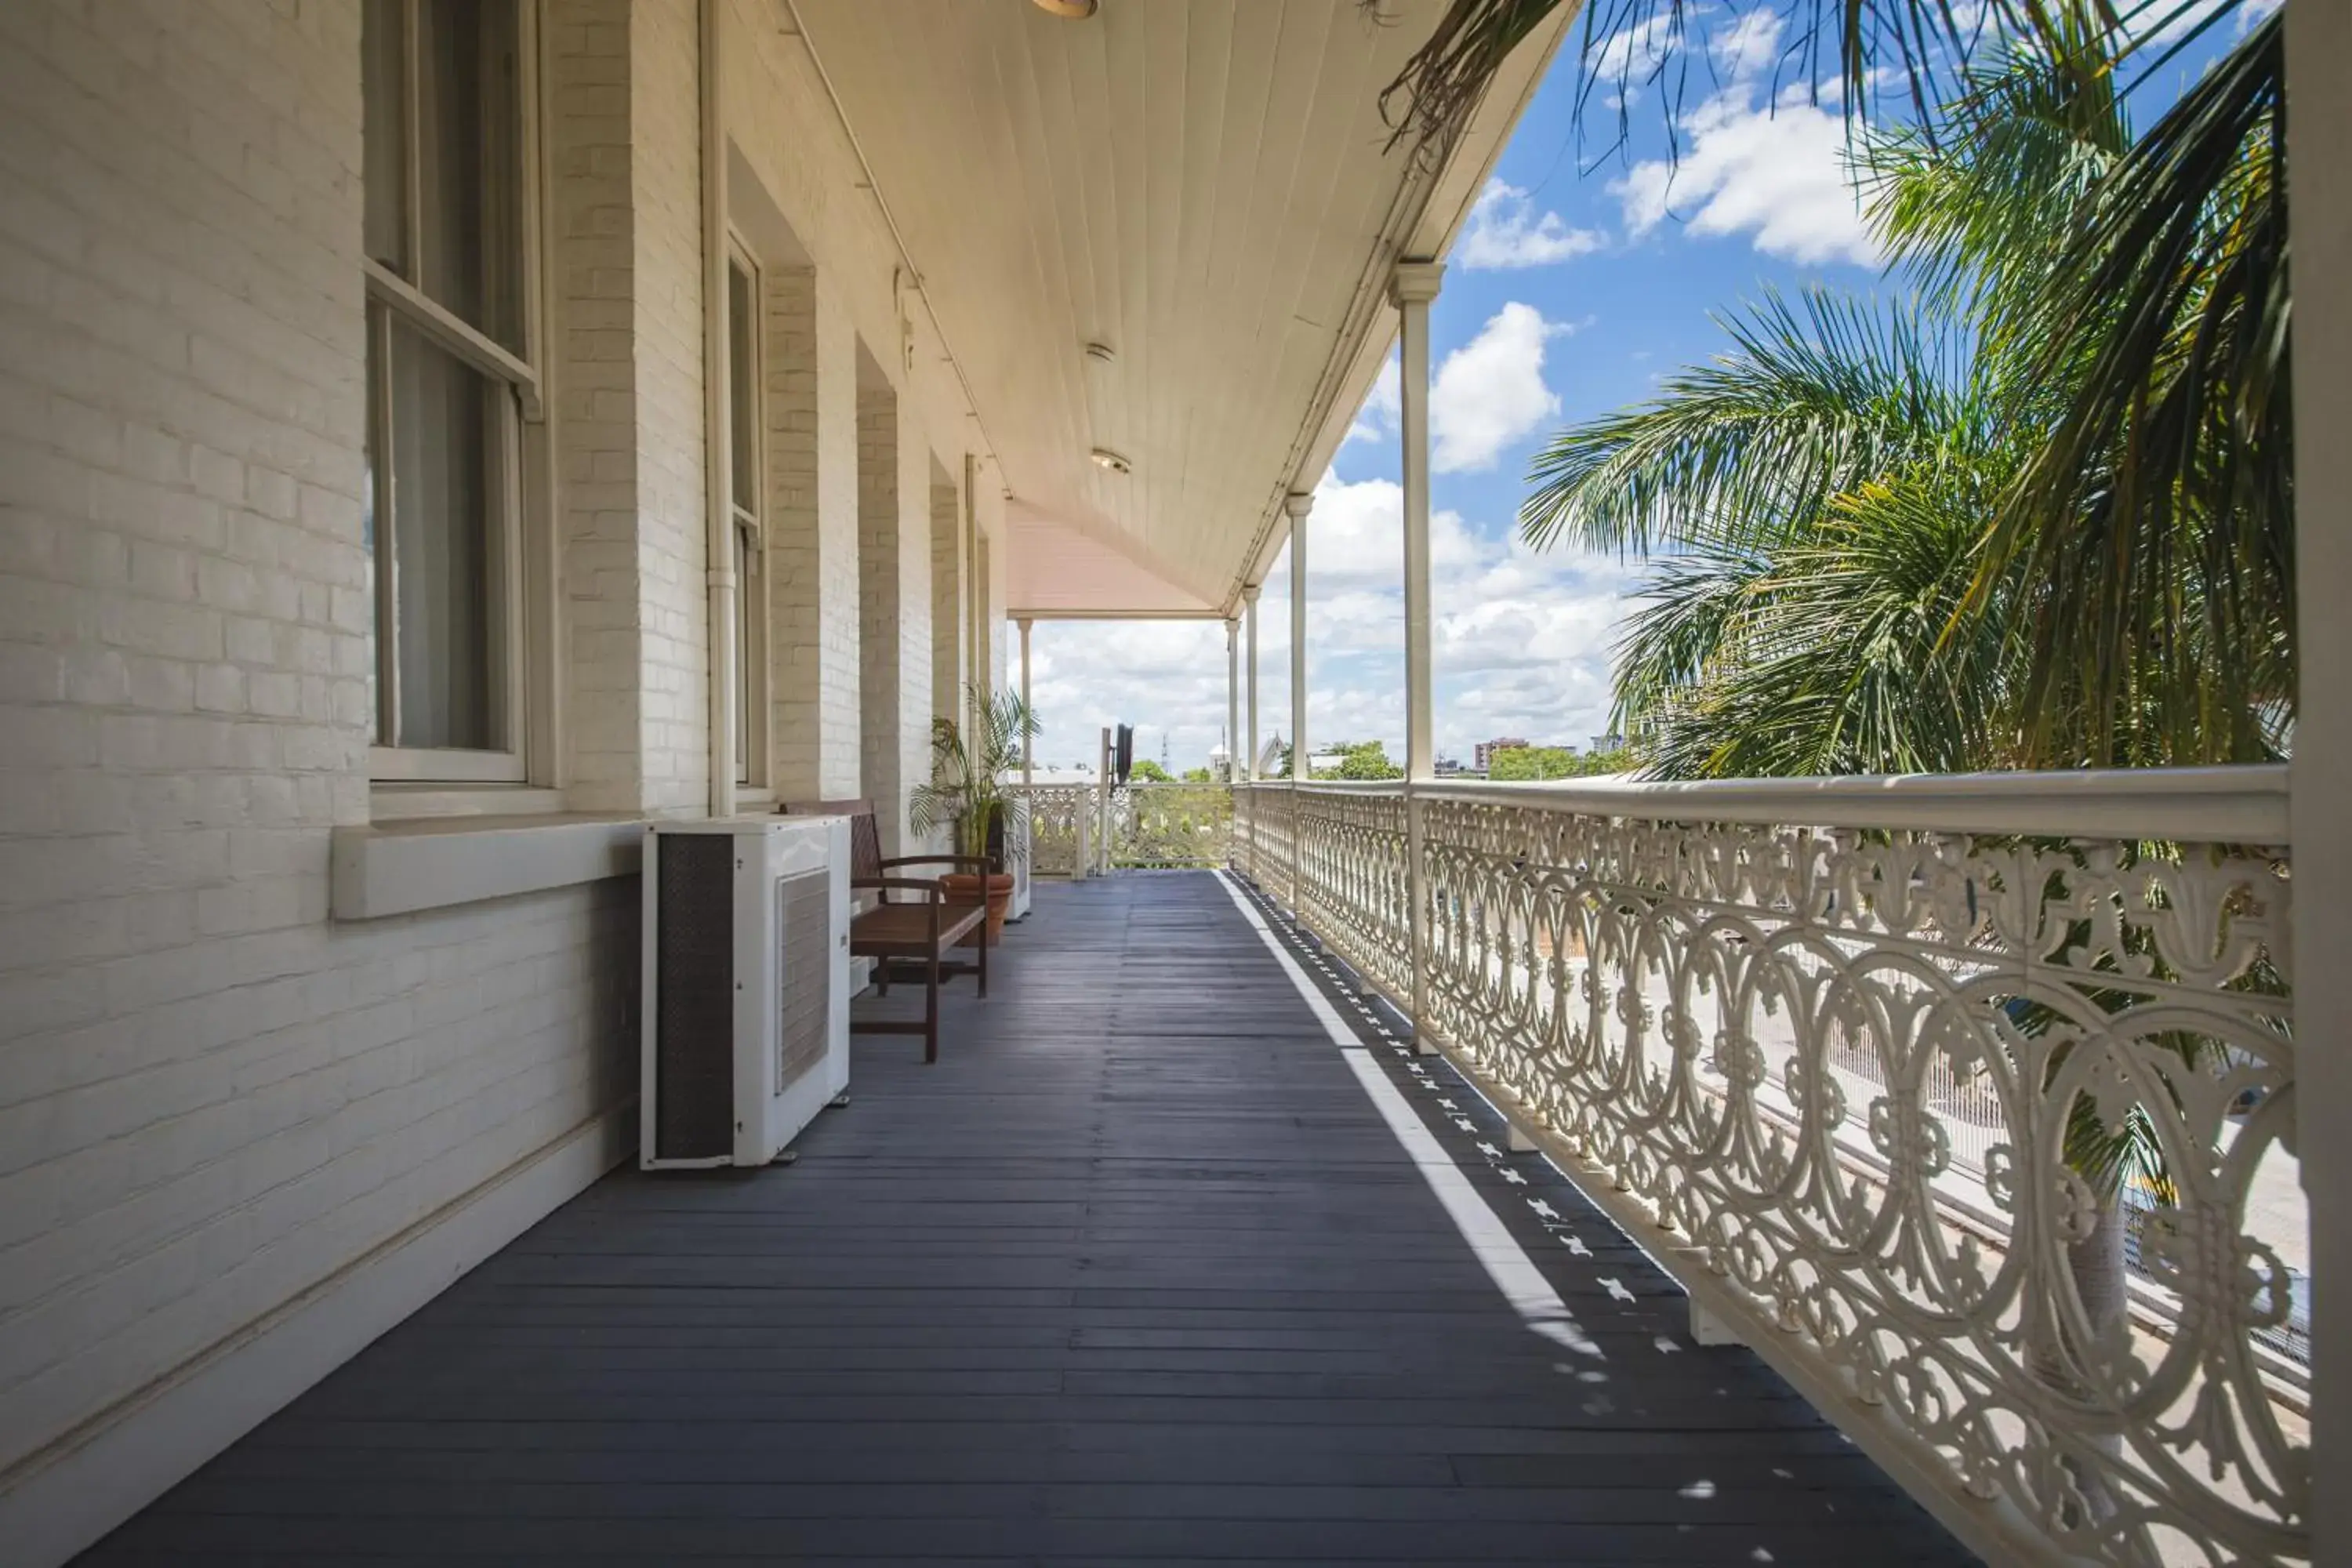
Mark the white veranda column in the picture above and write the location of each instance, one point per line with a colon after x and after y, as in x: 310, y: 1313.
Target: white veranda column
x: 1233, y: 701
x: 1414, y: 285
x: 1298, y: 503
x: 1249, y: 758
x: 2319, y: 86
x: 1028, y: 741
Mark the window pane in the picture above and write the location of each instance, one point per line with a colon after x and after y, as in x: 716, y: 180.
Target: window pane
x: 386, y: 112
x: 743, y: 392
x: 470, y: 149
x: 444, y: 512
x: 743, y: 643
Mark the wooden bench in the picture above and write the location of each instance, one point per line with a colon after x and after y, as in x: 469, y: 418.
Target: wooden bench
x: 913, y: 920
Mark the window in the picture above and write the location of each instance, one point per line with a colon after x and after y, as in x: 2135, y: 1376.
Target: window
x: 450, y: 370
x: 750, y: 650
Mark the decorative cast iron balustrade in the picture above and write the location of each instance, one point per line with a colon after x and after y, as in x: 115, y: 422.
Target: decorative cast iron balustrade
x: 1056, y: 812
x: 1160, y: 825
x: 1151, y: 825
x: 1352, y: 877
x: 1869, y: 1085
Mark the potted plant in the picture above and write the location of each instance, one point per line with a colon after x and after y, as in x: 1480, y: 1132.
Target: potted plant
x: 966, y: 793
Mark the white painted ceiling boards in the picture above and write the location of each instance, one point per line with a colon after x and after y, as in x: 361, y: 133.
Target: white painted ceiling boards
x: 1200, y: 187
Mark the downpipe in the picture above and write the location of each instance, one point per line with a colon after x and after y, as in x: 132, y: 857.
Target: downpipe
x: 718, y: 458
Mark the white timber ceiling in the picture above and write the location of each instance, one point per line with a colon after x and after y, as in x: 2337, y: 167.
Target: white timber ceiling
x: 1204, y: 189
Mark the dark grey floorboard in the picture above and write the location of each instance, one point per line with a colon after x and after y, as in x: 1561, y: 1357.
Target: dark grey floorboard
x: 1134, y: 1274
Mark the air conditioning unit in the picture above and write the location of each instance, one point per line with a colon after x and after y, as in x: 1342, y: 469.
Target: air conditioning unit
x: 1017, y: 854
x: 746, y: 1003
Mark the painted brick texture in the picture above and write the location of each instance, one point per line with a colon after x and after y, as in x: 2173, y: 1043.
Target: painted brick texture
x: 666, y: 185
x: 947, y: 654
x: 593, y: 359
x: 811, y: 415
x: 211, y: 1099
x: 881, y: 609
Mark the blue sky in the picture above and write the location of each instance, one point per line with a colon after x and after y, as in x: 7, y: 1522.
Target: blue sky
x: 1580, y: 281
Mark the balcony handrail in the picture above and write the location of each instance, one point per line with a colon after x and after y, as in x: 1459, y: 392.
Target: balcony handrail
x: 1825, y: 1045
x: 2244, y: 804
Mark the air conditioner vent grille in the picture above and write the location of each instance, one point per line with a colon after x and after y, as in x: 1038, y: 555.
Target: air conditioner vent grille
x: 803, y: 972
x: 694, y: 1042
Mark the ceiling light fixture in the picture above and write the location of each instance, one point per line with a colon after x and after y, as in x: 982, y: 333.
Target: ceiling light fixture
x: 1106, y: 459
x: 1075, y: 10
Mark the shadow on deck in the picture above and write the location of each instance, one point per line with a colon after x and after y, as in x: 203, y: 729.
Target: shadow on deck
x: 1138, y: 1272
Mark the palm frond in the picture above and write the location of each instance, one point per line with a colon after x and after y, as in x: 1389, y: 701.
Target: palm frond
x: 2157, y: 519
x: 1974, y: 209
x: 1860, y: 46
x: 1831, y: 657
x: 1810, y: 401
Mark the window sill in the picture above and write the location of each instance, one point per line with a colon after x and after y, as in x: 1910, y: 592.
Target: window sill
x: 396, y: 803
x: 435, y: 862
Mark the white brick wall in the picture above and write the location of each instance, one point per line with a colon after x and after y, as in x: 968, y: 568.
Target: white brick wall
x: 881, y: 541
x: 812, y: 414
x: 210, y: 1097
x: 593, y: 374
x: 947, y: 590
x: 665, y: 182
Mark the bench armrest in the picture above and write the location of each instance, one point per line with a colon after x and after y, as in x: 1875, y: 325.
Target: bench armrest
x: 986, y: 862
x: 888, y: 885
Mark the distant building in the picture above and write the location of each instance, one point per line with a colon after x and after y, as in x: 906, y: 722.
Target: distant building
x: 1607, y: 743
x: 1481, y: 756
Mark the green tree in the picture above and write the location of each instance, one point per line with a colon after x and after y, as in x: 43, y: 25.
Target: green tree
x: 1361, y: 760
x: 1823, y: 602
x: 1199, y: 776
x: 1826, y: 596
x: 1517, y: 764
x: 1146, y: 771
x: 2133, y: 502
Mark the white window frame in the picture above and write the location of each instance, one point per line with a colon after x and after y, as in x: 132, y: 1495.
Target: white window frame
x: 513, y: 501
x: 748, y: 527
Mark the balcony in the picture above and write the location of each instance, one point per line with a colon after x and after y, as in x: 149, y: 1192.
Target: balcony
x: 1162, y: 1260
x: 1416, y: 1171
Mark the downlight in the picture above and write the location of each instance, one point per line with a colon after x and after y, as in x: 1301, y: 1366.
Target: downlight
x: 1075, y: 10
x: 1106, y: 459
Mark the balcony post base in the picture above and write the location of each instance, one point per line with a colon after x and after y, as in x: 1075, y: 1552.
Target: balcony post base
x: 1707, y: 1329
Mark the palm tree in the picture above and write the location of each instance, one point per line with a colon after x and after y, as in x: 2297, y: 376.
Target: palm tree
x: 967, y: 789
x: 1826, y: 599
x: 2145, y: 546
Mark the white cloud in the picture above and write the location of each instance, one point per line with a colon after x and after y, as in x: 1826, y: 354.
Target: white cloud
x: 1748, y: 46
x: 2254, y: 11
x: 1776, y: 172
x: 1520, y: 642
x: 1486, y: 395
x: 1490, y: 393
x: 1506, y: 231
x: 1636, y: 52
x: 1770, y: 167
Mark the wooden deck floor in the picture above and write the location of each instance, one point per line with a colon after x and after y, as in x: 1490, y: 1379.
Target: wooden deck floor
x: 1137, y: 1273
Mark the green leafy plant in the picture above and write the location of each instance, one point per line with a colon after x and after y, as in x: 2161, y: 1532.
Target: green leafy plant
x: 1522, y: 764
x: 966, y: 789
x: 1361, y: 760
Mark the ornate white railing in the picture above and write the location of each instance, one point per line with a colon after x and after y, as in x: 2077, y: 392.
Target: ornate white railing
x: 1074, y: 832
x: 1058, y: 815
x: 1160, y: 826
x: 1846, y: 1054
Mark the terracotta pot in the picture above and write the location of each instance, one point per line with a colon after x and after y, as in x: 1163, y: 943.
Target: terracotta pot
x: 964, y: 888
